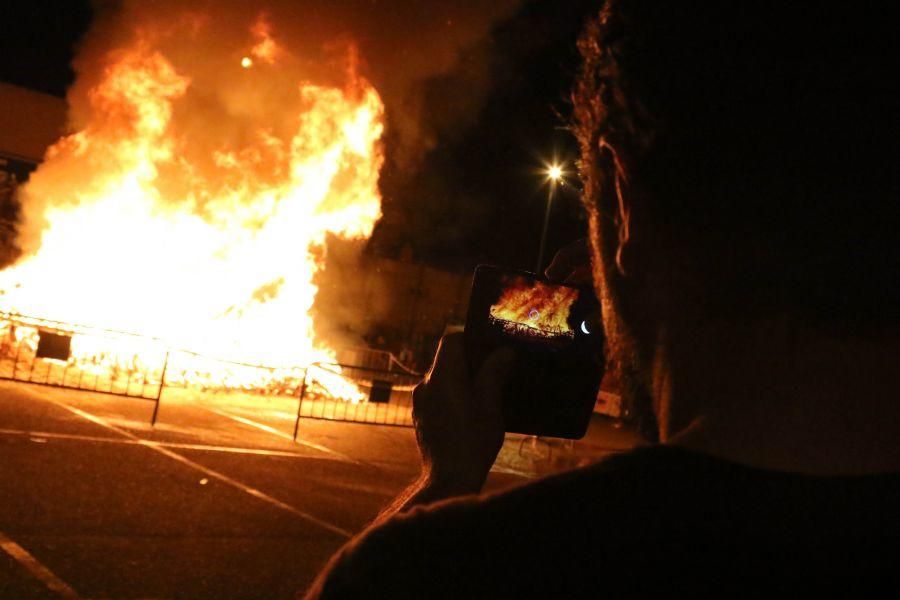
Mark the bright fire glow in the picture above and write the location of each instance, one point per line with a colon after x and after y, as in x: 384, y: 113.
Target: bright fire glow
x: 143, y: 220
x: 266, y: 49
x: 554, y: 172
x: 528, y: 308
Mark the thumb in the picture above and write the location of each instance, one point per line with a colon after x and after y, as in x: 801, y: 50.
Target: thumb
x: 493, y: 374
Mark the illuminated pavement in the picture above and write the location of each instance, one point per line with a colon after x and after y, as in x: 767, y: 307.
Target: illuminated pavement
x: 215, y: 501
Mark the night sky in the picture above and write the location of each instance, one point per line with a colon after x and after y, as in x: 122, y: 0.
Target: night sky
x: 476, y: 194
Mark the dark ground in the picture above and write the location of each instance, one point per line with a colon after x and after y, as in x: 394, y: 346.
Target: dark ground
x: 216, y: 501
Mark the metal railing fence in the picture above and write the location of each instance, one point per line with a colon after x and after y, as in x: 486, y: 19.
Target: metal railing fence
x: 375, y: 395
x: 59, y: 354
x: 54, y: 353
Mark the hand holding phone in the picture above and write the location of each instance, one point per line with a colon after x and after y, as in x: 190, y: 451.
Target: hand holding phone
x: 459, y: 424
x: 555, y: 331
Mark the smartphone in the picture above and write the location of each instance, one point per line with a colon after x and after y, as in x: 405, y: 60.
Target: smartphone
x: 556, y: 333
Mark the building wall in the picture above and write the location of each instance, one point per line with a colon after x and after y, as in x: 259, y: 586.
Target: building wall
x: 424, y: 298
x: 423, y: 301
x: 29, y: 122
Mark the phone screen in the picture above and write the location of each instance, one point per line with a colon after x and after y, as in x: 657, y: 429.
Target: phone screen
x: 532, y: 311
x: 555, y: 332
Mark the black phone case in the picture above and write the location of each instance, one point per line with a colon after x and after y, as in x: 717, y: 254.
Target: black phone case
x: 551, y: 390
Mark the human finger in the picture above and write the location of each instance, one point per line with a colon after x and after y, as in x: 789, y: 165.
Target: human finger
x: 450, y: 358
x: 568, y: 259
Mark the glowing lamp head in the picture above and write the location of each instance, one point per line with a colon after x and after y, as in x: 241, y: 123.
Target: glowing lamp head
x: 554, y: 172
x: 246, y: 62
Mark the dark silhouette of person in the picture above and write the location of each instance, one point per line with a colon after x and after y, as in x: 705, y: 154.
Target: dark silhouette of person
x: 738, y: 162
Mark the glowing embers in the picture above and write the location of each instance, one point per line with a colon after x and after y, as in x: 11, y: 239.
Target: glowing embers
x: 534, y: 310
x: 78, y: 357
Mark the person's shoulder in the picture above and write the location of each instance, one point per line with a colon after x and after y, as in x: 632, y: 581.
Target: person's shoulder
x: 658, y: 509
x: 562, y: 496
x: 484, y: 544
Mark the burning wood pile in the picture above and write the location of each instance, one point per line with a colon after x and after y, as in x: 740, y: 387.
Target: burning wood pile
x: 191, y: 201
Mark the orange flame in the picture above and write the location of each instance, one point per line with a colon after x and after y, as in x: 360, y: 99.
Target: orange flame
x: 265, y: 49
x: 144, y: 220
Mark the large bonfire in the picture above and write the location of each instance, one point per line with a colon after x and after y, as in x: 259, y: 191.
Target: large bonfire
x: 195, y: 211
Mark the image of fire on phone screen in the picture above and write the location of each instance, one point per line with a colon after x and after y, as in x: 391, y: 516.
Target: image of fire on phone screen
x: 555, y: 331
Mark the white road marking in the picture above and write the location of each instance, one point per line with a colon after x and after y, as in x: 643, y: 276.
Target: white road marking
x: 364, y: 489
x: 44, y: 435
x: 280, y: 414
x: 36, y: 568
x: 282, y: 434
x: 207, y: 471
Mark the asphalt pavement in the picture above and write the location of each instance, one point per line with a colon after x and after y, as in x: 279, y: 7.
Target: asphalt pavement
x: 214, y: 501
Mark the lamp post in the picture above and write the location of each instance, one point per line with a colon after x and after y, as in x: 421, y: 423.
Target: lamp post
x: 554, y: 174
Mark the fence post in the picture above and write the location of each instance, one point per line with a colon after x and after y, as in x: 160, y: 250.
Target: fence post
x: 300, y: 402
x: 162, y: 383
x: 33, y: 360
x: 18, y: 351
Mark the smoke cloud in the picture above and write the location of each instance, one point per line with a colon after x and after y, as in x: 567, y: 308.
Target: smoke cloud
x: 401, y: 44
x: 226, y: 47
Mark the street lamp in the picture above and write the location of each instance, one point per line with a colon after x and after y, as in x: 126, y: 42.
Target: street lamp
x: 554, y: 173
